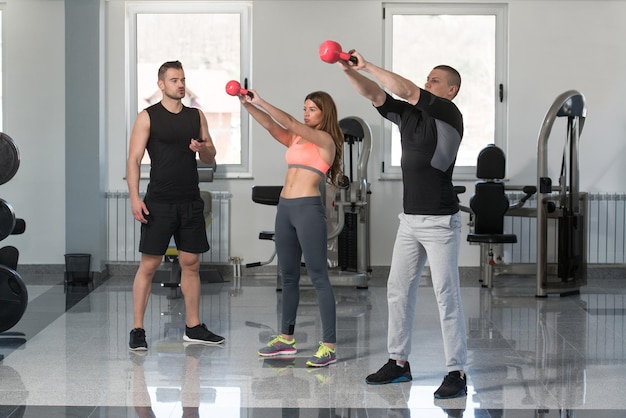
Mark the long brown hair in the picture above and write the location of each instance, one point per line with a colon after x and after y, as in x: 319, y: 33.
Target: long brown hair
x: 330, y: 124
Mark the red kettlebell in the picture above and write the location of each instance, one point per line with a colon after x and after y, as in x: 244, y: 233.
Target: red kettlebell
x: 330, y: 52
x: 233, y: 88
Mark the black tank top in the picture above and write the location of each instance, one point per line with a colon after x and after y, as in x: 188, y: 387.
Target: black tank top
x: 173, y: 168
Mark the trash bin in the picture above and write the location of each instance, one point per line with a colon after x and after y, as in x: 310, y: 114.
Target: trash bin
x: 77, y: 268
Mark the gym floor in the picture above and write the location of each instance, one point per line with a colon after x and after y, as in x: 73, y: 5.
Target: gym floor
x: 528, y: 357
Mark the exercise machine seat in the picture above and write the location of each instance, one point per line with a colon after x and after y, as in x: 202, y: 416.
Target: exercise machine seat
x: 489, y: 202
x: 265, y: 195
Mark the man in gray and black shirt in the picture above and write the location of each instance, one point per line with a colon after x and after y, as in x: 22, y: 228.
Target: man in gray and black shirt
x: 431, y: 128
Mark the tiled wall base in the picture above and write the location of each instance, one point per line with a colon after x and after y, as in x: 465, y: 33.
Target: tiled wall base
x: 228, y: 271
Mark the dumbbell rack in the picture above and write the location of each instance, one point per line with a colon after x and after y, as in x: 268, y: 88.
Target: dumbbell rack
x: 13, y: 292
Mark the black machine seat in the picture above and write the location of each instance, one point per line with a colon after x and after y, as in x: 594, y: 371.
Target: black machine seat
x: 352, y: 129
x: 267, y: 235
x: 266, y: 195
x: 489, y: 202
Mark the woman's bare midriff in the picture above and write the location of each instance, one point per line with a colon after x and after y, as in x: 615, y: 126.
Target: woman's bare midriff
x: 301, y: 182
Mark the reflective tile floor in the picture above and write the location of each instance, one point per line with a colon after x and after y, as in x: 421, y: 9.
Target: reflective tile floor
x: 528, y: 357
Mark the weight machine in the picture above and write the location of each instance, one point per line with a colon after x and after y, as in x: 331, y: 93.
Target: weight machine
x: 347, y: 211
x: 560, y: 210
x: 350, y: 264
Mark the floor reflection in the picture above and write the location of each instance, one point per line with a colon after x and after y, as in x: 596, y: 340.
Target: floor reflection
x: 529, y: 357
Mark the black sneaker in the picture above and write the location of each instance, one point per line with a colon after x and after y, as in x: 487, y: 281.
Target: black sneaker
x: 453, y: 386
x: 137, y: 340
x: 200, y: 334
x: 390, y: 373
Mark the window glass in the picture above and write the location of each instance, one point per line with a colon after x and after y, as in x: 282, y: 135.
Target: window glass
x: 420, y: 37
x: 210, y: 43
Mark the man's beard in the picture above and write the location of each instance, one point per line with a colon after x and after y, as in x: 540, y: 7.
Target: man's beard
x: 176, y: 96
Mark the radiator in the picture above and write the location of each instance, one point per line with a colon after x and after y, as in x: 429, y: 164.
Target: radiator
x: 123, y: 231
x: 606, y: 231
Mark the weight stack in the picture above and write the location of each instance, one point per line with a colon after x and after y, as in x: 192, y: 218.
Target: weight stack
x: 571, y: 247
x: 347, y: 243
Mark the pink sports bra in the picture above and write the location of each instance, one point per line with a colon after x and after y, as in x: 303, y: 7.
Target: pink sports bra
x: 306, y: 156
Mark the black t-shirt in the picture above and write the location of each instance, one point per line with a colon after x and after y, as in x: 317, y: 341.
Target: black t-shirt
x: 431, y: 133
x: 173, y: 168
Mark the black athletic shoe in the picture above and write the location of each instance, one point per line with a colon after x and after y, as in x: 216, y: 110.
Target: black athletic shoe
x: 453, y: 386
x: 137, y: 340
x: 200, y: 334
x: 390, y: 373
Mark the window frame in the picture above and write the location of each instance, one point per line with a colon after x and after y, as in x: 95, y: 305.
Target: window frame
x: 244, y: 9
x: 500, y: 11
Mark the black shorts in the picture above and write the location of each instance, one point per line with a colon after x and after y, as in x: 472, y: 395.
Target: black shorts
x: 183, y: 221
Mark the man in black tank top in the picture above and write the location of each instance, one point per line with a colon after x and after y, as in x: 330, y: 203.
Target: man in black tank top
x: 431, y: 128
x: 172, y: 134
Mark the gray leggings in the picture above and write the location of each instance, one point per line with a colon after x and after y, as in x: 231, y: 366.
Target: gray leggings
x: 301, y: 230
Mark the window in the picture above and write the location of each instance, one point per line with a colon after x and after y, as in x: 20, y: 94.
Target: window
x: 470, y: 38
x: 212, y: 41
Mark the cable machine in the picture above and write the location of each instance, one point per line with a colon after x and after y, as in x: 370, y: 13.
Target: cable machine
x: 561, y: 264
x: 348, y: 210
x: 568, y: 205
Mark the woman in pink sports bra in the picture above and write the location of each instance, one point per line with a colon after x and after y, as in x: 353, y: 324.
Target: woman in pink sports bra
x: 314, y: 154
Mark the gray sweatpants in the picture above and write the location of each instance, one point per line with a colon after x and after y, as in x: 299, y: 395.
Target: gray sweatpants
x: 438, y: 239
x: 301, y: 230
